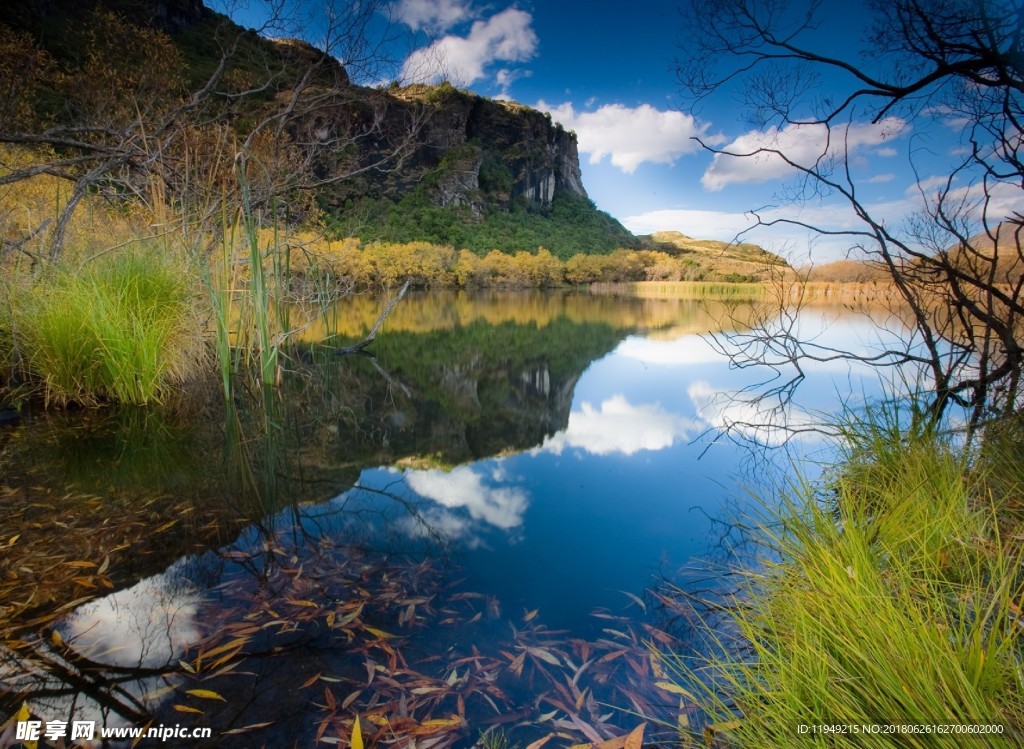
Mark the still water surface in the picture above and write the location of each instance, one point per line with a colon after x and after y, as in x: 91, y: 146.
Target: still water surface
x: 459, y: 532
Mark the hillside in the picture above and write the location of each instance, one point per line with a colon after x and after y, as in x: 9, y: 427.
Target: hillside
x: 155, y: 99
x: 984, y: 254
x: 717, y: 260
x: 109, y: 84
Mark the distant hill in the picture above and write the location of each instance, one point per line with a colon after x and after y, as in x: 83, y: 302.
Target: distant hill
x: 1004, y: 242
x: 392, y: 163
x: 720, y: 260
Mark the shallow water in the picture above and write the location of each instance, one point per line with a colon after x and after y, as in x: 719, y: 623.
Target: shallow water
x: 467, y: 530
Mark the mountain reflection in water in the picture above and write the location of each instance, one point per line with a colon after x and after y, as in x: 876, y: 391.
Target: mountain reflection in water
x: 458, y: 533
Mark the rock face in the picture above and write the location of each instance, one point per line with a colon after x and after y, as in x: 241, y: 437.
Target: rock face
x: 480, y: 151
x: 541, y: 156
x: 176, y: 15
x: 457, y: 148
x: 172, y: 16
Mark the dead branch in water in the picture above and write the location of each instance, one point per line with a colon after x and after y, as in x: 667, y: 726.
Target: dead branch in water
x: 358, y: 347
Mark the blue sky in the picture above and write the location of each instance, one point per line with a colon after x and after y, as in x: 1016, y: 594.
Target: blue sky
x: 606, y: 70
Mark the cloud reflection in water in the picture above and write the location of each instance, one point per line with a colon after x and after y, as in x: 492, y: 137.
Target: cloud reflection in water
x: 618, y: 426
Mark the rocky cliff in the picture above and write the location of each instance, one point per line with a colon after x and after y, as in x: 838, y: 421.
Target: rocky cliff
x: 500, y: 149
x: 456, y: 149
x: 404, y: 149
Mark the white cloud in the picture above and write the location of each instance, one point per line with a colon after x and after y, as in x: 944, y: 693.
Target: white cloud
x: 929, y: 185
x: 617, y: 426
x: 631, y: 135
x: 505, y: 37
x: 431, y: 15
x: 689, y: 349
x: 721, y: 225
x: 148, y: 625
x: 796, y: 243
x: 994, y: 202
x: 755, y: 156
x: 506, y: 77
x: 880, y: 178
x: 886, y: 152
x: 746, y: 415
x: 792, y: 242
x: 502, y: 507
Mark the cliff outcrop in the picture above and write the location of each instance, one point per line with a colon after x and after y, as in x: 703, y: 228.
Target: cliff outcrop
x: 389, y: 156
x: 481, y: 153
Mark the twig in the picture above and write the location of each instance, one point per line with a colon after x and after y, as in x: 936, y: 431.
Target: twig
x: 19, y: 246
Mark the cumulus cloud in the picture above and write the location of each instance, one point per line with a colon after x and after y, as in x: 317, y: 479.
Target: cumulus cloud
x: 431, y: 15
x: 880, y: 178
x: 617, y: 426
x: 505, y: 37
x: 462, y: 487
x: 791, y: 241
x: 993, y: 202
x: 721, y: 225
x: 929, y: 184
x: 631, y: 135
x: 686, y: 350
x: 148, y: 625
x: 757, y: 156
x: 744, y: 414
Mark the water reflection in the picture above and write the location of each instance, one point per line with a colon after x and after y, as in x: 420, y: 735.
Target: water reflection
x: 398, y: 537
x: 146, y: 626
x: 429, y: 312
x: 617, y: 426
x: 463, y: 487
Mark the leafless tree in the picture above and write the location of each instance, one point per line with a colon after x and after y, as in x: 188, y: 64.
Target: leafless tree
x: 957, y: 263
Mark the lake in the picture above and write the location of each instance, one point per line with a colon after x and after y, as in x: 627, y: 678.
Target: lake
x: 470, y: 530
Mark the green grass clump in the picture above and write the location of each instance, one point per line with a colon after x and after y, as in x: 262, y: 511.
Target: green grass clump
x: 896, y: 604
x: 122, y: 328
x: 6, y: 335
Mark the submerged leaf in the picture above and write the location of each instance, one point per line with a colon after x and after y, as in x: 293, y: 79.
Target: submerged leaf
x: 544, y: 655
x: 356, y: 742
x: 430, y: 727
x: 516, y: 666
x: 246, y: 729
x: 636, y: 599
x: 380, y: 633
x: 635, y: 740
x: 205, y: 694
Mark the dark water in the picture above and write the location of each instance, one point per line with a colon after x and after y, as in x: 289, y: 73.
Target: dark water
x: 466, y: 531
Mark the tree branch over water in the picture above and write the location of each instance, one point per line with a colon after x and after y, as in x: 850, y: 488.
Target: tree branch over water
x: 956, y: 263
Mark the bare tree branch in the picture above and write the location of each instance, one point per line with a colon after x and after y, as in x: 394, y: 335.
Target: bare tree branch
x: 958, y: 264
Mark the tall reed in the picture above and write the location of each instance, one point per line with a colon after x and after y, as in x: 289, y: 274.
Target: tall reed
x: 267, y: 348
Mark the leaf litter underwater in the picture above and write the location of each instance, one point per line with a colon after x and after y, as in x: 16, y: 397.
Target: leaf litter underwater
x: 292, y: 639
x: 136, y: 608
